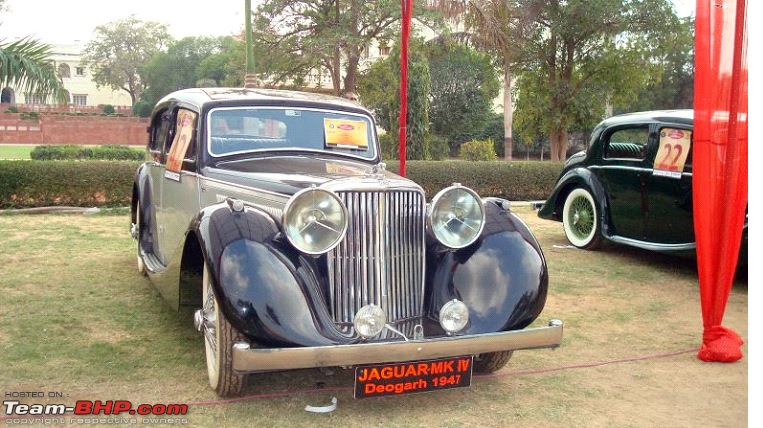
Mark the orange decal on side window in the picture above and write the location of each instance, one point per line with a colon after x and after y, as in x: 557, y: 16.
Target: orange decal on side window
x: 186, y: 122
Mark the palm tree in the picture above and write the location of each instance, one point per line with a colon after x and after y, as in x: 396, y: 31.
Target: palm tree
x: 489, y: 26
x: 24, y: 64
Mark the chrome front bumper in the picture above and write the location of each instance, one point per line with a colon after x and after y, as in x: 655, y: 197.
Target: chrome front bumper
x: 248, y: 359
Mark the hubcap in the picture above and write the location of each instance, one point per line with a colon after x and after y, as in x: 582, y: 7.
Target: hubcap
x: 582, y: 217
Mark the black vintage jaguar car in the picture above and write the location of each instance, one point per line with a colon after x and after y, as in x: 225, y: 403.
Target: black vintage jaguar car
x: 633, y: 186
x: 271, y: 212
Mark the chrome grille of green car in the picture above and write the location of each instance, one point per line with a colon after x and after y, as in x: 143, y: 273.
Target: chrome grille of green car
x: 381, y: 259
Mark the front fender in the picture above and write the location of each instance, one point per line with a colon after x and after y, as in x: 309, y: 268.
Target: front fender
x: 267, y: 291
x: 502, y: 278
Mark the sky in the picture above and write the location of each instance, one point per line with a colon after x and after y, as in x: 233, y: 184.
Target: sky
x: 64, y: 22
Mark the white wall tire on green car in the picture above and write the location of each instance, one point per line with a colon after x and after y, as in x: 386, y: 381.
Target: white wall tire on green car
x: 219, y: 337
x: 581, y: 219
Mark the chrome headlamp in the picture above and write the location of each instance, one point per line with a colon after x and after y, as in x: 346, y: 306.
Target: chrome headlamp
x: 314, y: 220
x: 456, y: 216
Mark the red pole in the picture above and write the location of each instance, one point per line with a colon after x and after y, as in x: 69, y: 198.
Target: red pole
x: 407, y: 7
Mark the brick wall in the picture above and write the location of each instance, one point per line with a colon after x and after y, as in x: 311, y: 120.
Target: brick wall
x: 67, y: 108
x: 60, y: 129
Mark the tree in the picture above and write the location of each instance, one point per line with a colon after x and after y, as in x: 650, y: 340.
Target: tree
x: 228, y: 66
x: 25, y: 64
x: 181, y: 66
x: 490, y: 26
x: 464, y: 85
x: 376, y: 85
x: 673, y: 84
x: 121, y: 49
x: 294, y: 38
x: 587, y: 51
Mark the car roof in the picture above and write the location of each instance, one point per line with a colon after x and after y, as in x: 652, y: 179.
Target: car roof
x: 201, y: 96
x: 685, y: 116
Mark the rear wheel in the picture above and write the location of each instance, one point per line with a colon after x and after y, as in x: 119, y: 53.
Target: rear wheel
x: 581, y: 219
x: 219, y: 337
x: 491, y: 361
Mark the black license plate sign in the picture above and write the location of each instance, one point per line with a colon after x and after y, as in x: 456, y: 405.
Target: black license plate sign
x: 417, y: 376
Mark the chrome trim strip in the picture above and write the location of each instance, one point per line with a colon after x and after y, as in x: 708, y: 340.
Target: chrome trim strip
x: 630, y: 168
x: 248, y: 359
x: 652, y: 246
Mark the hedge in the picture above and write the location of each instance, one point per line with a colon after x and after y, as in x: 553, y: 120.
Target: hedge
x: 28, y: 184
x: 73, y: 151
x: 515, y: 181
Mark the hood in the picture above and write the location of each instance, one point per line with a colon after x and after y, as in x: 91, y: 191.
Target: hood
x: 290, y: 174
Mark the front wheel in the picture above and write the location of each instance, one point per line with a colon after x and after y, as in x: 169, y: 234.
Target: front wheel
x: 219, y: 337
x: 580, y: 219
x: 136, y: 234
x: 491, y: 361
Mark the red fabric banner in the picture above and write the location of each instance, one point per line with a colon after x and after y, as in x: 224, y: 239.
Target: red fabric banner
x: 719, y: 171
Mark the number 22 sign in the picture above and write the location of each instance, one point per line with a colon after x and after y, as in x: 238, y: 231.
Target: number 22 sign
x: 673, y: 151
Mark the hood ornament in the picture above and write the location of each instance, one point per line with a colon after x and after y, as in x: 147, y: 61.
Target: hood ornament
x: 378, y: 172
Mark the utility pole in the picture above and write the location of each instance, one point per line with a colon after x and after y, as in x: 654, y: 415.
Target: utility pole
x: 250, y: 80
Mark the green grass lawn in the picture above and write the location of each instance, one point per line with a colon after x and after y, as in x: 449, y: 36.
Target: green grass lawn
x: 15, y: 151
x: 79, y: 320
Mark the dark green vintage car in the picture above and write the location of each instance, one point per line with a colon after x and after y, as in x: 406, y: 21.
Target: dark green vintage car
x: 632, y: 186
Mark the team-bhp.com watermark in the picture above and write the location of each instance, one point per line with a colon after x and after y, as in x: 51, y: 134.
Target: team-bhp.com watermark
x: 84, y: 412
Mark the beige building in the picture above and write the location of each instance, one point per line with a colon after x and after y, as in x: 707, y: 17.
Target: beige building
x: 76, y: 79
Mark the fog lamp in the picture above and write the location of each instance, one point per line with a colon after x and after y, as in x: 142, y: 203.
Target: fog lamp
x: 453, y: 316
x: 369, y: 321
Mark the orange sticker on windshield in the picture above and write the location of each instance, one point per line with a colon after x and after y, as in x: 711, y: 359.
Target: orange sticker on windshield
x: 351, y: 134
x: 673, y: 151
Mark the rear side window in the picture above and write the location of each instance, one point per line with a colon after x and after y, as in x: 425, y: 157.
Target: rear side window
x: 674, y: 153
x: 627, y: 143
x: 183, y: 145
x: 160, y: 130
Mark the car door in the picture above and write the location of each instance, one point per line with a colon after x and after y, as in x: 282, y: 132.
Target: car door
x: 179, y: 183
x: 161, y: 126
x: 622, y: 171
x: 668, y: 193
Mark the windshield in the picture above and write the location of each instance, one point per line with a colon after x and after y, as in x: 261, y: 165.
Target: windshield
x: 245, y: 129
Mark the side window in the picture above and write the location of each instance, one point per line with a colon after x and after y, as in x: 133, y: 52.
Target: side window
x: 627, y: 143
x: 674, y: 152
x: 160, y: 127
x: 182, y: 146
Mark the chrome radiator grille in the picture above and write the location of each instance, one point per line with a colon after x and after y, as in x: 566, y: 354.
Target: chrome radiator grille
x: 381, y: 260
